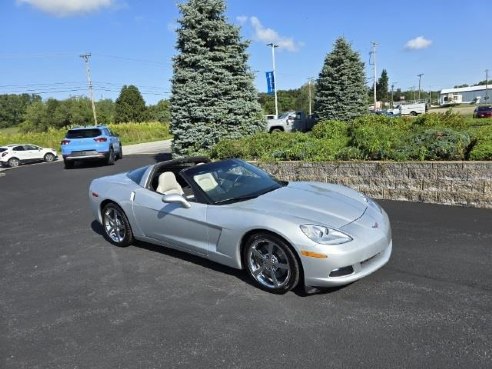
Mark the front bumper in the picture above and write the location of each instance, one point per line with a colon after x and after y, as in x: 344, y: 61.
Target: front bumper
x: 369, y: 250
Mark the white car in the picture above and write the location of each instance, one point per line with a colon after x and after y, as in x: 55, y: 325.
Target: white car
x: 16, y: 154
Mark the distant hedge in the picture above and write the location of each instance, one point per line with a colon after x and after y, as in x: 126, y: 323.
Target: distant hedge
x: 130, y: 133
x: 435, y: 136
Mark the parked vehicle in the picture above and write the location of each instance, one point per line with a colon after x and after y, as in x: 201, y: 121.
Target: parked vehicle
x: 90, y: 143
x: 292, y: 121
x: 16, y: 154
x: 483, y: 111
x: 409, y: 109
x: 233, y: 213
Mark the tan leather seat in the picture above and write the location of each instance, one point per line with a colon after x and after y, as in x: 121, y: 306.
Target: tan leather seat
x: 168, y: 184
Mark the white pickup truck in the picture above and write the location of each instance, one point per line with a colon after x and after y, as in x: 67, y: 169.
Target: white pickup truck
x: 292, y: 121
x: 409, y: 109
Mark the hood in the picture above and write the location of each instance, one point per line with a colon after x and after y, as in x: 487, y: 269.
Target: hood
x: 311, y: 202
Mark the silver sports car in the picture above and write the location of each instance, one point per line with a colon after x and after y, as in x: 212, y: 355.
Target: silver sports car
x: 231, y: 212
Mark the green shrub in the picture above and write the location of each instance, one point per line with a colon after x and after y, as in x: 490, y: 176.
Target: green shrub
x: 377, y: 136
x: 483, y: 147
x: 349, y: 153
x: 330, y: 129
x: 447, y: 119
x: 482, y: 151
x: 440, y: 144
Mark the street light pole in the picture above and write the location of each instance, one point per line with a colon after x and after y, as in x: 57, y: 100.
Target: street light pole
x: 273, y: 46
x: 420, y: 79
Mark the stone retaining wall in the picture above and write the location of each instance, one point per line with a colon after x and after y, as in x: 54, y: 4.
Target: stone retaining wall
x: 452, y: 183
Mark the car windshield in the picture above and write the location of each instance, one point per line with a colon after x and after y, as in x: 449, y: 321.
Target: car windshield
x: 83, y: 133
x: 231, y: 181
x: 485, y: 108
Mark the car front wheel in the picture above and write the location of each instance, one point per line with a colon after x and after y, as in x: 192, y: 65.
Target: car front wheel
x: 271, y: 263
x: 116, y: 225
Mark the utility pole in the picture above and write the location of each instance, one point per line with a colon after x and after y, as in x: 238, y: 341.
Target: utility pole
x: 310, y: 79
x: 392, y: 88
x: 486, y: 85
x: 273, y: 46
x: 91, y: 93
x: 420, y: 79
x: 374, y: 69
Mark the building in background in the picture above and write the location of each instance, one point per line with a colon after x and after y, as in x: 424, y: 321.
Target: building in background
x: 465, y: 95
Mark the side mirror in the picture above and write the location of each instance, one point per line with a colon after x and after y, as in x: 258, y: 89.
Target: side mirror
x: 176, y: 199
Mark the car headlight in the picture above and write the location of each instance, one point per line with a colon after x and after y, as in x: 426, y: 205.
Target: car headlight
x: 324, y: 235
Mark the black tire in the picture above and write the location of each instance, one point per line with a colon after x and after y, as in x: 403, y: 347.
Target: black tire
x: 69, y: 164
x: 116, y: 226
x: 111, y: 159
x: 13, y: 162
x: 49, y: 157
x: 271, y: 263
x: 413, y: 113
x: 276, y: 130
x: 120, y: 155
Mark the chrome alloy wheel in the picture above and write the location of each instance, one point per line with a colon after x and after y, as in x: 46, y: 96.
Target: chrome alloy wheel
x: 114, y: 225
x: 268, y: 263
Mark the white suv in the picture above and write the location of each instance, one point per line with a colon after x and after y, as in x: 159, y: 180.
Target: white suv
x: 13, y: 155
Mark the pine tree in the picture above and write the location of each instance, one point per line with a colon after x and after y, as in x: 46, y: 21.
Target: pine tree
x: 213, y: 96
x: 130, y: 106
x: 341, y: 91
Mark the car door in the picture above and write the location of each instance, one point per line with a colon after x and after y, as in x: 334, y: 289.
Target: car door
x: 115, y: 141
x: 33, y: 153
x: 19, y: 152
x: 172, y: 224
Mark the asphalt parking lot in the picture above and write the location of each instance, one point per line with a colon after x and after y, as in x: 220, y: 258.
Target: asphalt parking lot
x: 68, y: 299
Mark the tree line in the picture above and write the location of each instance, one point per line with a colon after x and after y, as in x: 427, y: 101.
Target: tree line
x: 30, y: 113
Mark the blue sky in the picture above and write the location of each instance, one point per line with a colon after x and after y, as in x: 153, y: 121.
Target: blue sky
x: 133, y: 41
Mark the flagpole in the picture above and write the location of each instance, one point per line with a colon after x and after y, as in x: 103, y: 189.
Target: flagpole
x: 273, y: 46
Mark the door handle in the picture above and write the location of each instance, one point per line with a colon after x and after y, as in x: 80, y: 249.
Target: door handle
x: 132, y: 196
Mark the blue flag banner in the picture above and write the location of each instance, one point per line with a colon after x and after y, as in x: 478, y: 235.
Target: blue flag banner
x: 270, y: 77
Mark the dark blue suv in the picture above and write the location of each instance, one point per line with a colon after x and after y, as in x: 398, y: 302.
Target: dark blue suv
x: 90, y: 143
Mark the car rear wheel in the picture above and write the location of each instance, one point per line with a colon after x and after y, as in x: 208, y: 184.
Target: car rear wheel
x: 69, y: 164
x: 271, y: 263
x: 110, y: 159
x: 49, y: 157
x: 13, y: 162
x: 116, y: 226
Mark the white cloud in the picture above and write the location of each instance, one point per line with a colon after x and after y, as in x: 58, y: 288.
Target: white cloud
x: 63, y: 8
x: 418, y: 43
x: 242, y: 19
x: 269, y: 35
